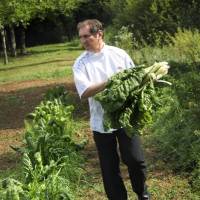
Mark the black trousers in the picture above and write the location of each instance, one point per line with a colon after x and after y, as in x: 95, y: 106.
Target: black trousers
x: 131, y: 154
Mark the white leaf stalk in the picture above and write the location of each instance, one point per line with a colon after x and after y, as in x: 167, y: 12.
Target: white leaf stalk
x: 157, y: 71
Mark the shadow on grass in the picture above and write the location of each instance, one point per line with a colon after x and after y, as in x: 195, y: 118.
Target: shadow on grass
x: 70, y: 48
x: 14, y: 106
x: 35, y: 64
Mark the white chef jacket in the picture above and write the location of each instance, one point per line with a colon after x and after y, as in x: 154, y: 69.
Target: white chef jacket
x: 92, y: 68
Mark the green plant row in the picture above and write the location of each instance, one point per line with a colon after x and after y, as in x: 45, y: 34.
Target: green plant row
x: 52, y: 164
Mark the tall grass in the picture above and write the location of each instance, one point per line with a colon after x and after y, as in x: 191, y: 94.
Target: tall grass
x: 175, y: 131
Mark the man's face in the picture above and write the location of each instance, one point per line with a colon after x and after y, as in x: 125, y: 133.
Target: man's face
x: 90, y: 42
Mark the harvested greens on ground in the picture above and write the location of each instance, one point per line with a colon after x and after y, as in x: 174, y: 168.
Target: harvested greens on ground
x: 128, y: 98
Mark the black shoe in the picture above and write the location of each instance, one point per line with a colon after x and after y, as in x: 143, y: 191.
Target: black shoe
x: 144, y: 197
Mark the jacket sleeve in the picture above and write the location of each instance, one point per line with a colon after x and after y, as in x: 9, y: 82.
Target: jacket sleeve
x: 128, y: 61
x: 81, y: 78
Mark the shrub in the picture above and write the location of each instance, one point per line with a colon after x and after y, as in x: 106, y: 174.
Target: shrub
x: 176, y: 129
x: 124, y: 39
x: 187, y: 44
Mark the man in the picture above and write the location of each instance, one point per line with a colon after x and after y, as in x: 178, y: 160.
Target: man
x: 91, y: 71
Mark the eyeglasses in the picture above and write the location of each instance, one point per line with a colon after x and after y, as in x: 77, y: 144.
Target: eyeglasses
x: 86, y: 36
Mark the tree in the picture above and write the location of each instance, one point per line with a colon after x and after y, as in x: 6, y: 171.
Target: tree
x: 21, y: 12
x: 2, y: 20
x: 13, y: 13
x: 41, y: 9
x: 154, y: 20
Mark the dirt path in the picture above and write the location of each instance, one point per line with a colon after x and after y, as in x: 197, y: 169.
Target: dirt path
x: 20, y: 98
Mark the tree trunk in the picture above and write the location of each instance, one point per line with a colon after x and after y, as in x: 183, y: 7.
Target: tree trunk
x: 13, y: 41
x: 22, y: 41
x: 4, y: 46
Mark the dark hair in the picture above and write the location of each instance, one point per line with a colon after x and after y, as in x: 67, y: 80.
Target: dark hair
x: 94, y: 24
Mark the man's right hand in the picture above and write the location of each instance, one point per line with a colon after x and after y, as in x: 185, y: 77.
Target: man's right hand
x: 94, y: 89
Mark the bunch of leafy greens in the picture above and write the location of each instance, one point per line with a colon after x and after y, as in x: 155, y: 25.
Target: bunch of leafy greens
x: 129, y: 97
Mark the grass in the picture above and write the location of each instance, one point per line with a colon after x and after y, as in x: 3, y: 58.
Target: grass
x: 41, y: 62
